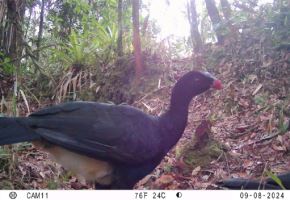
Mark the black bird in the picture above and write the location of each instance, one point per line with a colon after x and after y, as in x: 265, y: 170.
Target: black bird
x: 269, y: 183
x: 113, y: 145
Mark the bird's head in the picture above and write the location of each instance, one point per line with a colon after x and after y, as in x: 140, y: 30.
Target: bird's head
x: 201, y: 81
x: 192, y: 84
x: 195, y: 82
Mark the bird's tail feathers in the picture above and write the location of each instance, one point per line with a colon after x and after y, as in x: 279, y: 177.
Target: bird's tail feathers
x: 14, y: 130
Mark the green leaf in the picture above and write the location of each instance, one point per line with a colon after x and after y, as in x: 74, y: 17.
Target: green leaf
x: 276, y: 179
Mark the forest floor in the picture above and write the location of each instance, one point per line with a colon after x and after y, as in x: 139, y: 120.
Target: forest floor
x: 248, y: 118
x: 250, y: 141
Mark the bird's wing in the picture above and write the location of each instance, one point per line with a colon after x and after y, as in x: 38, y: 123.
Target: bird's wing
x: 114, y: 133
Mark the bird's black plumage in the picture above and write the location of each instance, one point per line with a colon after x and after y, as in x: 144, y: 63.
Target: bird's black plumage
x: 131, y: 142
x: 247, y: 184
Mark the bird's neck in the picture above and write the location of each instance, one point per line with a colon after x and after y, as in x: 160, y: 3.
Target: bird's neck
x: 177, y: 119
x: 173, y: 122
x: 178, y: 109
x: 172, y: 125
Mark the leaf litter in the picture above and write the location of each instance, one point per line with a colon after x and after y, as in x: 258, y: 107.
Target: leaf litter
x: 249, y: 121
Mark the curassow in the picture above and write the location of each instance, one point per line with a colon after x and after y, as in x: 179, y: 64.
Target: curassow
x: 113, y: 145
x: 246, y: 184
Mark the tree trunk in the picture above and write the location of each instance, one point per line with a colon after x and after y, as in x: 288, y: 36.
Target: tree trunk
x: 227, y: 12
x: 226, y: 8
x: 195, y: 35
x: 11, y: 30
x: 136, y: 41
x: 11, y: 37
x: 39, y: 37
x: 215, y: 19
x: 120, y: 29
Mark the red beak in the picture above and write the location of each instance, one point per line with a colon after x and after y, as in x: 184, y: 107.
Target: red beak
x: 217, y: 84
